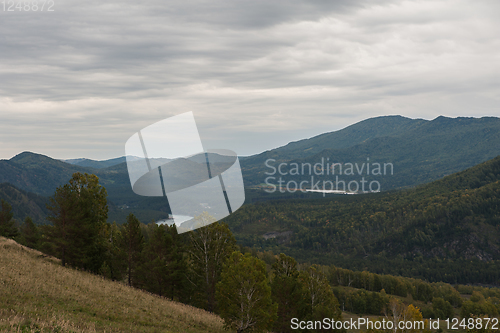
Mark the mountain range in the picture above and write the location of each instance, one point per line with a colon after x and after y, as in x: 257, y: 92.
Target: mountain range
x: 450, y: 221
x: 85, y: 162
x: 419, y: 150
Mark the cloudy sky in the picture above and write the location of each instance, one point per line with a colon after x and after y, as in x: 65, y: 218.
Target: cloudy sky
x: 80, y: 80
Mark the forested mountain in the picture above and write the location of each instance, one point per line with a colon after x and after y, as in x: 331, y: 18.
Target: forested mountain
x: 42, y: 175
x: 419, y: 150
x: 348, y: 137
x: 37, y: 173
x: 85, y: 162
x: 24, y: 203
x: 448, y: 230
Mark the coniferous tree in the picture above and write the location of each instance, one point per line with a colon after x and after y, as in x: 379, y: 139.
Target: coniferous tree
x: 163, y: 269
x: 7, y: 223
x: 64, y: 219
x: 178, y: 267
x: 78, y: 214
x: 132, y: 243
x: 287, y: 292
x: 153, y: 272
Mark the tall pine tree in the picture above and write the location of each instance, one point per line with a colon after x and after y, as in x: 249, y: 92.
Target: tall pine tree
x: 163, y: 270
x: 115, y: 265
x: 132, y: 243
x: 287, y: 292
x: 78, y: 212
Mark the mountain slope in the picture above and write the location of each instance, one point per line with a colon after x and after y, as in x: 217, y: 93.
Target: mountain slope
x: 41, y: 174
x: 350, y: 136
x: 38, y: 293
x: 37, y: 173
x: 24, y: 203
x: 420, y: 152
x: 450, y: 226
x: 85, y: 162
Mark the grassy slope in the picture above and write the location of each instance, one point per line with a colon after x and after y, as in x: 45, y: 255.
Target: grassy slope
x: 37, y: 291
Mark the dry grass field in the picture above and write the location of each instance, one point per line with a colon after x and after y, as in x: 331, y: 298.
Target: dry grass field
x: 39, y: 295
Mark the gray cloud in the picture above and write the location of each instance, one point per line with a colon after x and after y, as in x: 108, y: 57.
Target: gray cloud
x: 80, y: 80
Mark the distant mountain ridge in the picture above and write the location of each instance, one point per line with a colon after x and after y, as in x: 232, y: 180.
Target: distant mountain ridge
x: 420, y: 150
x: 37, y: 173
x: 352, y: 135
x: 85, y: 162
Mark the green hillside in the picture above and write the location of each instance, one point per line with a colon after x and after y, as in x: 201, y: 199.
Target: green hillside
x: 350, y: 136
x: 37, y: 294
x: 37, y: 173
x: 420, y: 151
x: 448, y: 230
x: 24, y: 203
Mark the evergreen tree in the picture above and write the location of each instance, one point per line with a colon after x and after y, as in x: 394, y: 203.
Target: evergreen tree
x: 163, y: 269
x: 7, y: 223
x: 244, y: 295
x: 64, y: 220
x: 178, y: 267
x: 210, y: 247
x: 78, y: 214
x: 287, y: 292
x: 132, y: 243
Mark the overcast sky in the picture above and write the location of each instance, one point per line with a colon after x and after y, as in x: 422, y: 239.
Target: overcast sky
x: 79, y: 81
